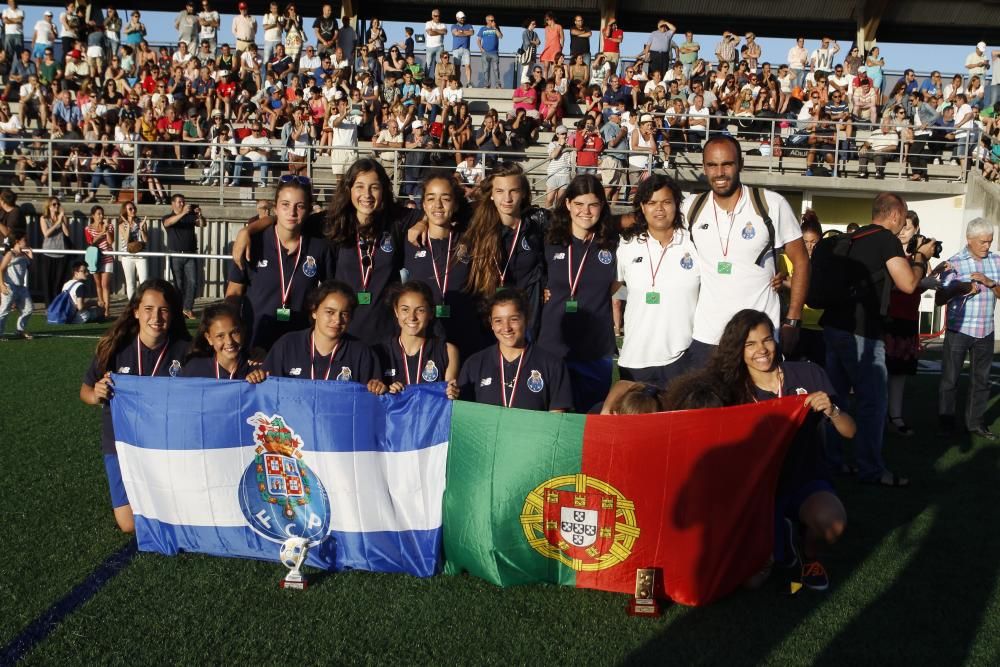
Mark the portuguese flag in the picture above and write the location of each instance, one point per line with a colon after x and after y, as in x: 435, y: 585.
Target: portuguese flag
x: 585, y: 501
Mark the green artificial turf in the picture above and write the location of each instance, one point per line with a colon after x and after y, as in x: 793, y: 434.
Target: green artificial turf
x: 914, y: 581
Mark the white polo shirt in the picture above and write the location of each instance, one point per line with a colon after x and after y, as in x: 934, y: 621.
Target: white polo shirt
x: 658, y: 334
x: 433, y: 41
x: 728, y: 247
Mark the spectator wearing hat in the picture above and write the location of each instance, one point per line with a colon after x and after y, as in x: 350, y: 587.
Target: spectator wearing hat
x: 461, y: 51
x: 614, y: 160
x: 418, y: 160
x: 43, y: 36
x: 244, y: 28
x: 77, y: 69
x: 976, y: 62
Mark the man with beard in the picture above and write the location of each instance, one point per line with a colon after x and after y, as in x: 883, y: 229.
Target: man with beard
x: 739, y: 231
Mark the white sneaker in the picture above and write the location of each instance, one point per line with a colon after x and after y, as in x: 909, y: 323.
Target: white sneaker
x: 78, y: 198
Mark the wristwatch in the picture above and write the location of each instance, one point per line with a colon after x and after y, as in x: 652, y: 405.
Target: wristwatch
x: 834, y: 412
x: 790, y: 322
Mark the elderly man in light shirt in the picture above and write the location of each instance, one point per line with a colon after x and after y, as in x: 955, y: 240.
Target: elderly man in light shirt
x: 880, y: 146
x: 255, y: 149
x: 970, y: 288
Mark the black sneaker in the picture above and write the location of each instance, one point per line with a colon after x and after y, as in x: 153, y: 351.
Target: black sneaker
x: 814, y: 575
x: 791, y: 554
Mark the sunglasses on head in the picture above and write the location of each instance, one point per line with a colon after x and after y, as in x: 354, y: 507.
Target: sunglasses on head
x: 292, y: 178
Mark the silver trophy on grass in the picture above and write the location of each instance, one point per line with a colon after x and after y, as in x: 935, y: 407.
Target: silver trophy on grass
x: 293, y: 555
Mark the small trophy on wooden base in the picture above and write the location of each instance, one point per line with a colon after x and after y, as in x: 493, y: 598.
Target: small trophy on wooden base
x: 644, y: 604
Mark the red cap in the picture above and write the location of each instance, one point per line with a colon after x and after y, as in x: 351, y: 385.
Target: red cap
x: 75, y: 53
x: 242, y: 6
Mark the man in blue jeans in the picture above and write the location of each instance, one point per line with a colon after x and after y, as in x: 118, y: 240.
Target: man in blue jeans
x: 852, y: 330
x: 970, y: 289
x: 182, y: 240
x: 489, y: 45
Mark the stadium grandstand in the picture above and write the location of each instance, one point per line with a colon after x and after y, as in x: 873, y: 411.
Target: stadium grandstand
x: 92, y: 111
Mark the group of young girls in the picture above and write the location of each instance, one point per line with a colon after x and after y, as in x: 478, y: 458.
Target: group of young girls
x: 508, y: 304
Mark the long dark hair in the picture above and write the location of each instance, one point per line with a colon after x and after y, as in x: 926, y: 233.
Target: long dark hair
x: 561, y: 225
x: 342, y: 220
x: 727, y: 364
x: 643, y: 194
x: 126, y: 327
x: 200, y: 346
x: 482, y: 241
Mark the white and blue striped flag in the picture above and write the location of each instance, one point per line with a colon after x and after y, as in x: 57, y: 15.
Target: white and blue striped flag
x: 233, y: 469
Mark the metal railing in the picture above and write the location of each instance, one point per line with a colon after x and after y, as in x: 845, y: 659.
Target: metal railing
x: 162, y: 166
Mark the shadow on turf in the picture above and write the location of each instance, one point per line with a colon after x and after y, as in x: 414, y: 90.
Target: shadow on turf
x: 932, y: 611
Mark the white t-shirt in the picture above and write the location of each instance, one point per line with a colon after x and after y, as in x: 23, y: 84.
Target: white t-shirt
x: 73, y: 287
x: 252, y: 141
x: 14, y: 28
x: 272, y: 27
x: 694, y: 114
x: 657, y: 334
x: 844, y: 81
x: 452, y: 95
x: 972, y: 58
x: 432, y: 96
x: 46, y: 32
x: 745, y: 285
x: 470, y: 175
x: 960, y: 113
x: 345, y: 135
x: 433, y: 41
x: 307, y: 64
x: 208, y: 31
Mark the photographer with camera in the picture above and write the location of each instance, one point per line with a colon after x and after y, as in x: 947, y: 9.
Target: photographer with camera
x: 970, y: 288
x: 902, y: 324
x: 853, y: 329
x: 182, y: 239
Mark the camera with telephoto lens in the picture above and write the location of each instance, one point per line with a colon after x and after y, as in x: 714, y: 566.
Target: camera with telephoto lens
x: 917, y: 241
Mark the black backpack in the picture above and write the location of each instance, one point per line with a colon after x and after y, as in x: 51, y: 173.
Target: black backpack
x: 836, y: 279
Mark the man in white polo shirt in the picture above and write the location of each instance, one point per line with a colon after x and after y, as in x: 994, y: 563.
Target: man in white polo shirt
x: 737, y: 251
x: 434, y: 32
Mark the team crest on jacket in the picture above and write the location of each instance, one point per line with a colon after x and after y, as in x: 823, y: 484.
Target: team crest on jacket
x: 309, y: 267
x: 748, y: 231
x: 605, y: 257
x: 175, y: 368
x: 386, y: 243
x: 580, y: 521
x: 279, y: 494
x: 345, y: 374
x: 430, y: 372
x: 535, y: 381
x: 687, y: 262
x: 525, y: 244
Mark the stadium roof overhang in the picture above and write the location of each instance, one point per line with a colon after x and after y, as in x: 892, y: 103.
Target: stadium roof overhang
x: 915, y: 21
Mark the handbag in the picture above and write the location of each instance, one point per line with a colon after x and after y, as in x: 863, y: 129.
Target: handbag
x: 135, y: 246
